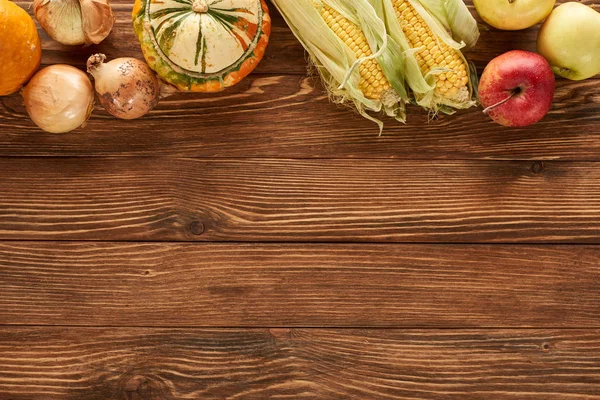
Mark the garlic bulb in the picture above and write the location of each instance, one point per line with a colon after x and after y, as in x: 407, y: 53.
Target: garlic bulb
x: 59, y: 98
x: 75, y: 22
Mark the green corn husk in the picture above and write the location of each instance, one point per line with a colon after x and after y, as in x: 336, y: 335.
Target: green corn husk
x: 456, y: 18
x: 336, y: 62
x: 449, y: 20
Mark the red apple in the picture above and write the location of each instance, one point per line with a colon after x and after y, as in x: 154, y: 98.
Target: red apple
x: 516, y: 88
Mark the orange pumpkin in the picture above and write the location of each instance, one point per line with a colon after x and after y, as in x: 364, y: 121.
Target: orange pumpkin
x: 20, y: 47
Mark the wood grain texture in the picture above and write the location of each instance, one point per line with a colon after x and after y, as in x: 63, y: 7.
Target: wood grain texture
x: 290, y: 116
x: 278, y: 112
x: 230, y: 285
x: 105, y: 319
x: 299, y: 200
x: 153, y: 364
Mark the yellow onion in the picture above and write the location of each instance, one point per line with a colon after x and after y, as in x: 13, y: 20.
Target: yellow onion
x: 126, y: 87
x: 75, y: 22
x: 59, y: 98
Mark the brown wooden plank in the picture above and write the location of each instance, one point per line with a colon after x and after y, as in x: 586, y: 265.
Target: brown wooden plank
x: 299, y: 200
x: 290, y: 116
x: 145, y: 284
x: 152, y: 364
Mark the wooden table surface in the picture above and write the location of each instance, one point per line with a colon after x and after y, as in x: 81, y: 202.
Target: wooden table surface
x: 262, y: 243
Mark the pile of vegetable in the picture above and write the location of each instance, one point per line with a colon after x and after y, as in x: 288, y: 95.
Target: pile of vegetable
x: 377, y: 56
x: 189, y: 45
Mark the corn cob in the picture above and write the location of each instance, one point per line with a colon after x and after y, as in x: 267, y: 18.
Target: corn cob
x: 373, y: 83
x: 433, y: 52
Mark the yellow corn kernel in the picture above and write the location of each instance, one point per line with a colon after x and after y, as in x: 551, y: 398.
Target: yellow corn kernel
x: 433, y: 51
x: 372, y: 81
x: 453, y: 91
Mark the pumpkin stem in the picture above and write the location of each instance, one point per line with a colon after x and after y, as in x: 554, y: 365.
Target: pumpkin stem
x: 200, y: 6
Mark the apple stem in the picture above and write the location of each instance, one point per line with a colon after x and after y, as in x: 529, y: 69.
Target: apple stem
x: 498, y: 104
x: 511, y: 1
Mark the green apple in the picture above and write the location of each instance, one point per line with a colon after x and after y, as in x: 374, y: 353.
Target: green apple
x: 570, y: 41
x: 512, y: 15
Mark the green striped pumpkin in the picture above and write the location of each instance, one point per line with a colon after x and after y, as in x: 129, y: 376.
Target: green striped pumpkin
x: 202, y: 45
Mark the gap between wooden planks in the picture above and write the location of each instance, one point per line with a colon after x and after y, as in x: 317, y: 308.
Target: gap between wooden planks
x: 168, y: 364
x: 283, y: 200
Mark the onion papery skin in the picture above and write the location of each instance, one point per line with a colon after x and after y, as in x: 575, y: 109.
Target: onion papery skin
x: 59, y: 98
x: 61, y: 19
x: 75, y: 22
x: 127, y: 88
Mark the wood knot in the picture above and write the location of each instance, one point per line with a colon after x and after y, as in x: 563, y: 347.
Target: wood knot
x: 537, y: 167
x: 197, y: 228
x: 133, y: 385
x: 545, y: 346
x: 140, y: 385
